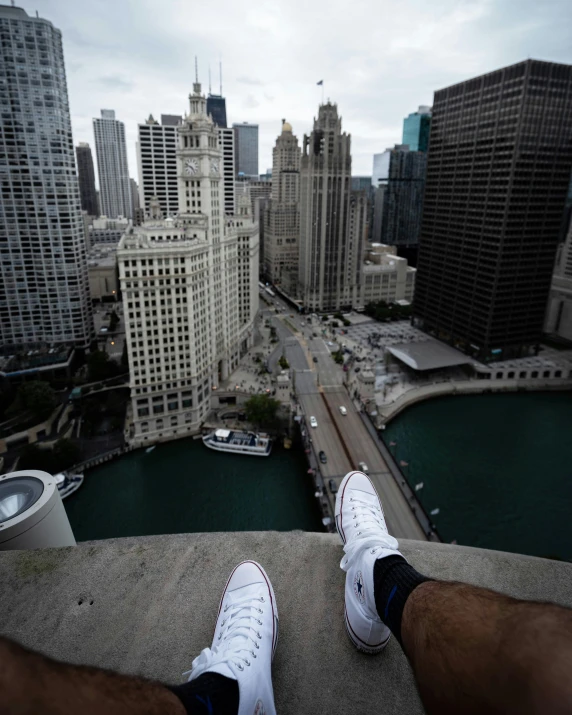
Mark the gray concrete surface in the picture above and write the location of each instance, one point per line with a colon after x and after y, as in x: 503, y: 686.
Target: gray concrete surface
x: 147, y: 606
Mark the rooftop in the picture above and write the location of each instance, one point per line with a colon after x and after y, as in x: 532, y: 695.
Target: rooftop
x: 148, y: 605
x: 428, y: 355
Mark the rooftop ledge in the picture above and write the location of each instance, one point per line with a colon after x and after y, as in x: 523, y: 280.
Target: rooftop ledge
x: 148, y: 605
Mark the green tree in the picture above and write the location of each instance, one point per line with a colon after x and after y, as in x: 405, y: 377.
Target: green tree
x: 65, y: 453
x: 338, y: 357
x: 283, y: 363
x: 98, y: 366
x: 37, y: 396
x: 262, y: 410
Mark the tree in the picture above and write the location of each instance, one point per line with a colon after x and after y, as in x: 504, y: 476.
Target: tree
x: 124, y: 358
x: 98, y: 366
x: 37, y: 396
x: 338, y: 357
x: 283, y: 363
x: 113, y: 321
x: 261, y: 410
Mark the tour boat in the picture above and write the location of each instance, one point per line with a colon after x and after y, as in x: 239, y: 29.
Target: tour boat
x: 68, y: 484
x: 225, y: 440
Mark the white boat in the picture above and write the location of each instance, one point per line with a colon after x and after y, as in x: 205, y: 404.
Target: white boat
x: 225, y: 440
x: 150, y: 449
x: 68, y: 484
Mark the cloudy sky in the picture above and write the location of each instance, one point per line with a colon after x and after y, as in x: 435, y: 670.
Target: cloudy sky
x: 379, y: 59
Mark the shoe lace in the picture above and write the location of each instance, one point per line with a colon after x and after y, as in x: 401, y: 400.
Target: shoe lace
x: 238, y: 637
x: 372, y: 534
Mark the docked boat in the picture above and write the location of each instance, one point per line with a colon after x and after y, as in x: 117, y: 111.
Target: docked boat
x: 225, y: 440
x: 68, y: 484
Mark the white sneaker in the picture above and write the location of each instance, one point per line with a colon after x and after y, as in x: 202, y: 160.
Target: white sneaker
x: 245, y: 639
x: 361, y: 525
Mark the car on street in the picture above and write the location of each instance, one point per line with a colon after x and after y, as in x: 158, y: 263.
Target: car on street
x: 343, y: 410
x: 313, y: 421
x: 315, y: 359
x: 333, y: 486
x: 363, y: 467
x: 322, y: 456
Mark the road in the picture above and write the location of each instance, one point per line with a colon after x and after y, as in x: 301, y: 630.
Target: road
x: 344, y: 438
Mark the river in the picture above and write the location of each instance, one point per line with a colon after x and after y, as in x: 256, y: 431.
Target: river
x: 184, y: 487
x: 498, y: 468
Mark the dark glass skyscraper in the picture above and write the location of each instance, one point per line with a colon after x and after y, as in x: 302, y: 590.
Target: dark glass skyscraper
x: 416, y: 129
x: 216, y: 107
x: 86, y: 176
x: 497, y: 175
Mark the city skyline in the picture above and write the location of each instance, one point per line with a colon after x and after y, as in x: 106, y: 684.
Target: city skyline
x: 377, y: 81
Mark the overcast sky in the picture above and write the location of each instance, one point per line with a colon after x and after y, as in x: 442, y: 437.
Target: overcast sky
x: 379, y: 59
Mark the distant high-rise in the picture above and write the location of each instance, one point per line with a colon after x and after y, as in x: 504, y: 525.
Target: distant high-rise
x: 497, y: 176
x: 399, y: 198
x: 282, y: 214
x: 216, y: 107
x: 226, y: 143
x: 416, y: 129
x: 135, y: 203
x: 246, y: 148
x: 157, y: 163
x: 86, y: 178
x: 325, y: 282
x: 44, y: 289
x: 110, y: 148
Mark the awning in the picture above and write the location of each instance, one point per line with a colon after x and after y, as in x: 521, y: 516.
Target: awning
x: 429, y: 355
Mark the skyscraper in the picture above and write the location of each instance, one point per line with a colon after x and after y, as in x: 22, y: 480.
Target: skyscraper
x: 114, y: 186
x: 188, y: 294
x: 246, y: 148
x: 157, y: 163
x: 398, y: 202
x: 282, y: 213
x: 44, y: 290
x: 226, y: 143
x: 325, y: 283
x: 216, y: 107
x: 86, y: 178
x: 497, y: 176
x: 416, y: 129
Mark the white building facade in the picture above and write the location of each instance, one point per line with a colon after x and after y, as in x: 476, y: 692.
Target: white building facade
x: 188, y: 315
x: 156, y: 150
x: 110, y: 148
x: 386, y: 276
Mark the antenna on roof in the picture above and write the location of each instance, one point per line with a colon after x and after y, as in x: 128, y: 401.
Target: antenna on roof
x: 196, y: 70
x: 210, y: 91
x: 220, y: 75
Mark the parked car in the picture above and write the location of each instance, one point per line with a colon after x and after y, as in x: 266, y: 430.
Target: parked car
x: 343, y: 410
x: 315, y: 359
x: 333, y: 486
x: 363, y: 467
x: 313, y: 421
x: 322, y: 456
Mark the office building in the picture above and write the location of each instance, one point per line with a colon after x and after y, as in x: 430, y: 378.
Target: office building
x: 325, y: 242
x: 216, y: 107
x: 386, y: 276
x: 361, y: 183
x: 157, y: 163
x: 416, y: 129
x: 380, y: 170
x: 86, y: 178
x: 110, y: 148
x: 109, y: 231
x: 398, y: 200
x: 226, y: 143
x: 497, y: 175
x: 558, y: 320
x: 44, y: 290
x: 358, y: 231
x: 246, y: 149
x: 135, y: 203
x: 282, y: 214
x: 189, y: 305
x: 102, y: 272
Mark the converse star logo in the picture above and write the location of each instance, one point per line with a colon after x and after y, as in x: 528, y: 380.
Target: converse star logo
x: 359, y: 588
x: 259, y: 708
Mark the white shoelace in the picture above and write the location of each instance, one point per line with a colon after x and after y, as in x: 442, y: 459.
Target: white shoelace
x: 372, y: 533
x: 232, y: 645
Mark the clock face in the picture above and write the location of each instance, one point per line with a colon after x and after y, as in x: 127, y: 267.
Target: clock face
x: 191, y: 166
x: 214, y: 166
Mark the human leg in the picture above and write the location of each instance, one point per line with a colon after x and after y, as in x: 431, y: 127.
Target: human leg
x: 472, y: 650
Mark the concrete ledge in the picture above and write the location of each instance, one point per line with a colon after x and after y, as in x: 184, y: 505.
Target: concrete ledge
x: 147, y: 606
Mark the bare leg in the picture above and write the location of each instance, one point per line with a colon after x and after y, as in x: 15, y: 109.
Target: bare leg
x: 476, y: 651
x: 31, y: 683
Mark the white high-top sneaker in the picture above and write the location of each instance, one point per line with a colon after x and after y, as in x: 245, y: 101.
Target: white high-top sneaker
x: 245, y: 639
x: 361, y: 525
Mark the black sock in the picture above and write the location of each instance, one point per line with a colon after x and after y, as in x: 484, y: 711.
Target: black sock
x: 393, y: 581
x: 209, y: 694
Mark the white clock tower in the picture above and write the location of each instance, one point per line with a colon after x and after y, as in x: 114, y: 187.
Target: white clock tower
x: 199, y: 162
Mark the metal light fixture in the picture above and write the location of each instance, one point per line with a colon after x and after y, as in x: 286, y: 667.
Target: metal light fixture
x: 32, y: 515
